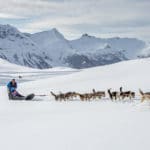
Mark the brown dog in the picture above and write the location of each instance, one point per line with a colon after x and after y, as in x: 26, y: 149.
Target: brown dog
x: 124, y: 94
x: 99, y: 94
x: 60, y: 96
x: 144, y: 96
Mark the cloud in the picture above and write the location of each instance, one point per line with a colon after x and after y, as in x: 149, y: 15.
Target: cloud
x: 10, y: 16
x: 78, y: 16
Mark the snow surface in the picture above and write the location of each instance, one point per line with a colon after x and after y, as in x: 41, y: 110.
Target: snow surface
x: 75, y: 125
x: 9, y: 71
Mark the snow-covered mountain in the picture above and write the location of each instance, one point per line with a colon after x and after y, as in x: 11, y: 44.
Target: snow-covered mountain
x: 145, y: 53
x: 20, y: 49
x: 54, y: 45
x: 50, y: 49
x: 8, y: 67
x: 100, y: 51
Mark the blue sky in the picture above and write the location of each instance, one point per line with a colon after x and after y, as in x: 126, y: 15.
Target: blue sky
x: 102, y: 18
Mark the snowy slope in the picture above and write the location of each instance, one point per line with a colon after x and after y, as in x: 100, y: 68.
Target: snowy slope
x: 50, y: 49
x: 145, y: 53
x: 125, y: 74
x: 9, y: 71
x: 6, y: 66
x: 76, y: 125
x: 129, y: 46
x: 107, y: 51
x: 54, y: 45
x: 18, y: 48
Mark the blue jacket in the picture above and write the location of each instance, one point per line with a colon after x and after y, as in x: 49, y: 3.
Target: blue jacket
x: 11, y: 87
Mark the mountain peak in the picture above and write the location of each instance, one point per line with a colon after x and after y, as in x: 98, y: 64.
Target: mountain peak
x: 56, y: 33
x: 8, y: 30
x: 53, y: 34
x: 54, y: 30
x: 8, y: 27
x: 85, y: 35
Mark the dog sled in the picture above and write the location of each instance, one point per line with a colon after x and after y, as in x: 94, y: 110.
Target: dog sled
x: 28, y: 97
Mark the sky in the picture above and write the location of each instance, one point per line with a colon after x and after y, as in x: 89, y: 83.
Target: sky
x: 102, y: 18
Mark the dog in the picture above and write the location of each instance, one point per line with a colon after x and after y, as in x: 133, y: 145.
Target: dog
x: 85, y: 96
x: 113, y: 95
x: 58, y: 96
x: 81, y: 96
x: 128, y: 94
x: 64, y: 96
x: 70, y: 95
x: 99, y: 94
x: 144, y: 96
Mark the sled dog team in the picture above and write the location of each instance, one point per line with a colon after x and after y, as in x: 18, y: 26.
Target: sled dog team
x: 113, y: 95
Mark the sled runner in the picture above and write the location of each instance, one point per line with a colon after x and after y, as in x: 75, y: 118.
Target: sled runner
x: 28, y: 97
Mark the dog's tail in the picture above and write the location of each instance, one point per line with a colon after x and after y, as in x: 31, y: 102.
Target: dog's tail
x: 141, y: 92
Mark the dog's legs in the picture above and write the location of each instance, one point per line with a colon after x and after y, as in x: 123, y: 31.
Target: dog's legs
x: 115, y: 97
x: 142, y: 99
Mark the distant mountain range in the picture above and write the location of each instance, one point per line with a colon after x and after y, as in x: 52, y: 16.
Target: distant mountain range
x: 50, y: 49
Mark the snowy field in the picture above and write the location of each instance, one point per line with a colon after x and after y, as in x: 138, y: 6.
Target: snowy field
x: 76, y: 125
x: 9, y: 71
